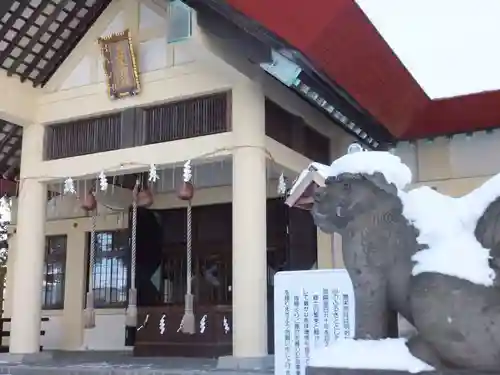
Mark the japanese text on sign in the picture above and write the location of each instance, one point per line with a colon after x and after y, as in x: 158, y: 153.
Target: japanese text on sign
x: 312, y: 309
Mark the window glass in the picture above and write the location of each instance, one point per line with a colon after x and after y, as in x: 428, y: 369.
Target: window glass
x: 180, y: 21
x: 111, y: 269
x: 54, y: 272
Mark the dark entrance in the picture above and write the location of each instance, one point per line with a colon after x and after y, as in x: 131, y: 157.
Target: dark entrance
x: 161, y: 276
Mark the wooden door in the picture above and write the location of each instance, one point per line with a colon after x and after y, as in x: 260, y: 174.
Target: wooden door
x: 148, y: 266
x: 148, y: 259
x: 210, y: 263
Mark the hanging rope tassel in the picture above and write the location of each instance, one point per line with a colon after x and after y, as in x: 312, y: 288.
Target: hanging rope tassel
x: 131, y: 313
x: 188, y: 320
x: 89, y: 312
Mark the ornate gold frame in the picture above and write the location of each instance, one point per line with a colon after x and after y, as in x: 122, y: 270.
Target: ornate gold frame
x: 120, y: 65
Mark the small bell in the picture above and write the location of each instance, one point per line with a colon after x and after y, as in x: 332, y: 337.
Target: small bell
x: 186, y: 191
x: 89, y: 202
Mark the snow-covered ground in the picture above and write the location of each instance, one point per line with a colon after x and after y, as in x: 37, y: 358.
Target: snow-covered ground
x: 388, y: 354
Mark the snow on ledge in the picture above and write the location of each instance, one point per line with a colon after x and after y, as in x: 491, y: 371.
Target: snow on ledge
x: 323, y: 170
x: 387, y: 354
x: 367, y: 162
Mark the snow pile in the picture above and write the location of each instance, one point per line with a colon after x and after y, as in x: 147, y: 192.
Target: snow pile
x: 323, y: 170
x: 370, y: 162
x: 387, y: 354
x: 446, y: 225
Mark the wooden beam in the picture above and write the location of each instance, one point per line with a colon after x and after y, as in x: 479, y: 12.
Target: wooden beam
x: 23, y: 31
x: 5, y: 6
x: 44, y: 28
x: 8, y: 136
x: 52, y: 39
x: 14, y: 147
x: 85, y: 24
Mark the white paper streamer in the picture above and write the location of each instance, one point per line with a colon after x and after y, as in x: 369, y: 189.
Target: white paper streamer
x: 163, y: 324
x: 187, y: 172
x: 282, y: 185
x: 203, y: 323
x: 144, y: 323
x: 103, y: 181
x: 225, y: 325
x: 153, y: 173
x: 69, y: 186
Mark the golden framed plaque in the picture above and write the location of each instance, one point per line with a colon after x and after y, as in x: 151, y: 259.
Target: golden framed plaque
x: 120, y: 65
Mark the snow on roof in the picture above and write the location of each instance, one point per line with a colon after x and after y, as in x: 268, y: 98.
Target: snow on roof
x: 429, y: 37
x: 387, y: 354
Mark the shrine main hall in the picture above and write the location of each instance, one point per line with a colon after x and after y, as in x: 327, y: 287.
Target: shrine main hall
x: 147, y: 146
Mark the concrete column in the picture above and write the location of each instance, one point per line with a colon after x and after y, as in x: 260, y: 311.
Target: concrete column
x: 28, y: 268
x: 7, y: 303
x: 29, y: 260
x: 249, y: 288
x: 75, y: 283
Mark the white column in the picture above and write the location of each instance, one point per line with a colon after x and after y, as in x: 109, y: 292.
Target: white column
x: 28, y: 268
x: 249, y: 288
x: 30, y: 248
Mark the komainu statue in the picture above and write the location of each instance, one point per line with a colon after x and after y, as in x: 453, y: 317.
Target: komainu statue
x: 431, y: 258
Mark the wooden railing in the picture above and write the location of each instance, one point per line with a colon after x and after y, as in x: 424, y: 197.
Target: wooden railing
x: 293, y: 132
x: 6, y: 333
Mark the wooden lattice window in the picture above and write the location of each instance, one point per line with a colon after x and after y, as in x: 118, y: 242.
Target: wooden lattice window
x: 111, y: 269
x: 54, y: 272
x: 11, y: 136
x: 188, y: 118
x: 36, y: 36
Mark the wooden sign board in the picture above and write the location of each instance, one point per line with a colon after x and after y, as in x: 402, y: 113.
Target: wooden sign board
x: 302, y: 195
x: 120, y: 66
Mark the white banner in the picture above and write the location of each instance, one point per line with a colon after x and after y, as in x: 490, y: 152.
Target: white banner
x: 311, y: 309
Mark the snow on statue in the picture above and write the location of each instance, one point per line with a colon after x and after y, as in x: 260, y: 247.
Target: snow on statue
x: 427, y: 256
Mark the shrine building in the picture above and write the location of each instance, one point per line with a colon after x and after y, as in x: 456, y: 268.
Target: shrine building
x: 112, y: 110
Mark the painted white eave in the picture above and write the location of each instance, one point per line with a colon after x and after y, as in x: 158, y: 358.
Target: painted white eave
x: 18, y: 101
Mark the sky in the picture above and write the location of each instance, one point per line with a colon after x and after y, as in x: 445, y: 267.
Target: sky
x: 451, y: 47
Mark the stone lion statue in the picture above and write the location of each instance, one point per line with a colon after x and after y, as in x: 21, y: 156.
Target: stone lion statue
x: 377, y: 245
x: 458, y: 321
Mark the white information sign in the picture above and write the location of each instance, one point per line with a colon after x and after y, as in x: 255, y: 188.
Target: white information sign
x: 311, y: 309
